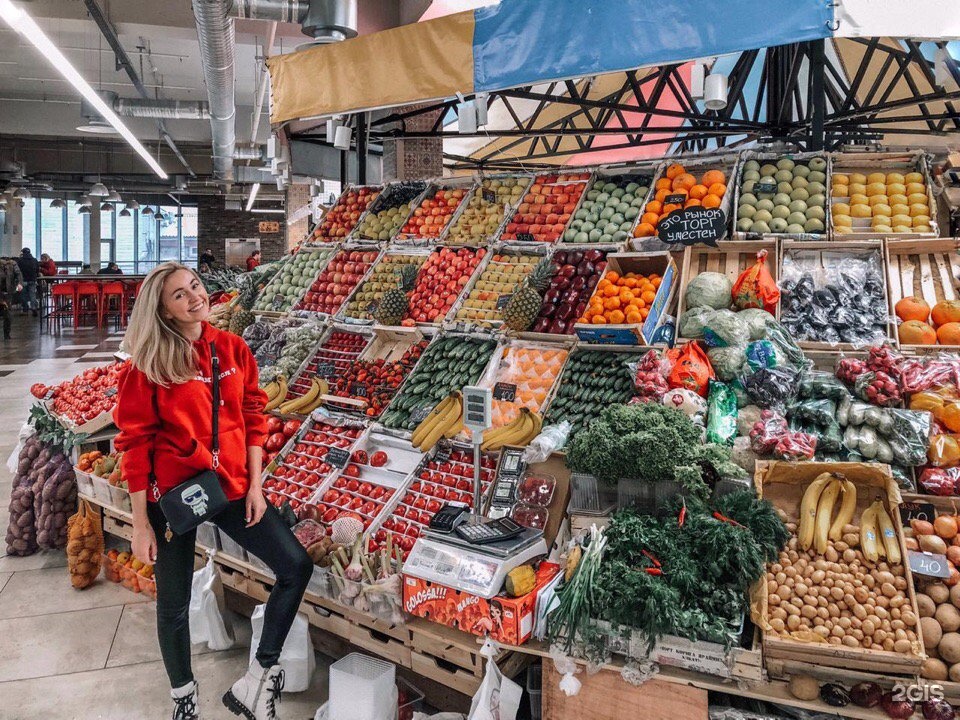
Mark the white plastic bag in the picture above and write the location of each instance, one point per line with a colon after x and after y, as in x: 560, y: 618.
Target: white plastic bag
x: 206, y: 621
x: 26, y: 430
x: 498, y: 697
x: 296, y: 658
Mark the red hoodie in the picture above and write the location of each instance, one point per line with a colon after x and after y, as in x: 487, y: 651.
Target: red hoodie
x: 167, y: 431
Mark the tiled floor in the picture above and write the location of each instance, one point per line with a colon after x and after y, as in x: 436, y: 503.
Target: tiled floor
x: 91, y: 654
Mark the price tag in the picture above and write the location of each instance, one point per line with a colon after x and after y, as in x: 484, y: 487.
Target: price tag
x: 50, y: 393
x: 765, y: 185
x: 443, y: 452
x: 488, y: 195
x: 675, y: 199
x: 526, y: 237
x: 358, y: 390
x: 504, y: 391
x: 928, y: 564
x: 917, y: 511
x: 110, y: 392
x: 338, y: 457
x: 420, y: 414
x: 278, y: 301
x: 503, y: 301
x: 326, y: 370
x: 372, y: 307
x: 693, y: 225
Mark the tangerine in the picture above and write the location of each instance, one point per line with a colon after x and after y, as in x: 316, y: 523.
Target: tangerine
x: 718, y: 189
x: 675, y: 170
x: 698, y: 191
x: 684, y: 182
x: 645, y: 230
x: 711, y: 201
x: 712, y: 177
x: 949, y: 333
x: 616, y: 317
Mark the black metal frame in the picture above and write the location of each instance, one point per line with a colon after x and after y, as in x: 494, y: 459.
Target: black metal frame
x: 805, y: 100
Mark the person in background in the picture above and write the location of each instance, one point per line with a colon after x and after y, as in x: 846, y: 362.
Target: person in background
x: 11, y: 282
x: 48, y: 266
x: 86, y: 269
x: 111, y: 269
x: 30, y: 270
x: 253, y: 261
x: 206, y: 258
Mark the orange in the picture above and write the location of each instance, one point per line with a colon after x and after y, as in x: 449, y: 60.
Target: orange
x: 664, y: 184
x: 718, y: 189
x: 656, y: 281
x: 667, y: 209
x: 692, y: 203
x: 650, y: 218
x: 711, y: 201
x: 647, y: 296
x: 912, y: 308
x: 684, y: 182
x: 949, y: 333
x: 612, y: 276
x: 645, y: 230
x: 630, y: 282
x: 916, y: 332
x: 611, y: 291
x: 946, y: 311
x: 598, y: 320
x: 616, y: 317
x: 675, y: 170
x: 698, y: 191
x: 634, y: 317
x: 611, y: 303
x: 653, y: 207
x: 661, y: 194
x: 626, y: 296
x: 711, y: 177
x: 644, y: 312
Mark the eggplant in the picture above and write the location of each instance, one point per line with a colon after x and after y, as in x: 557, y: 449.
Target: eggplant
x: 834, y: 695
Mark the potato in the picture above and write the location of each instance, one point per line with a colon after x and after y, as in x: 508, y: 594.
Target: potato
x: 938, y: 592
x: 955, y: 673
x: 949, y: 648
x: 933, y: 669
x: 955, y: 595
x: 804, y: 687
x: 931, y: 631
x: 948, y: 616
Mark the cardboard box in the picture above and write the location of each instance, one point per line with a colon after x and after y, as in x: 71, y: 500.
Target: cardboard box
x: 650, y: 332
x: 467, y: 612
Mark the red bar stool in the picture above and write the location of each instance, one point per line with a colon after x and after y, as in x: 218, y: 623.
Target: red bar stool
x: 88, y: 301
x: 113, y: 302
x: 63, y: 301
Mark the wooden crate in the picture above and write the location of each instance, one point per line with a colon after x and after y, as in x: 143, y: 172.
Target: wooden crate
x: 925, y: 268
x: 380, y: 644
x: 783, y: 483
x: 729, y: 258
x: 610, y: 173
x: 860, y: 248
x: 447, y: 644
x: 444, y: 672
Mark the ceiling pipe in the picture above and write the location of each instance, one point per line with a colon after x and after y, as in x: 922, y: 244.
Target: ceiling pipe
x: 287, y: 11
x: 264, y: 83
x: 215, y: 33
x: 167, y: 109
x: 257, y: 152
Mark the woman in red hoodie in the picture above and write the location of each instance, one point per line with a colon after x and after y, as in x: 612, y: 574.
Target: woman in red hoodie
x: 164, y: 412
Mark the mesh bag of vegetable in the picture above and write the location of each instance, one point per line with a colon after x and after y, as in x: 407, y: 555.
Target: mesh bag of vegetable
x: 84, y: 546
x: 21, y: 531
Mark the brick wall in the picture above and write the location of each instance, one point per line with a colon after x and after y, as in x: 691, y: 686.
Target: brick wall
x: 215, y: 224
x: 414, y: 158
x: 298, y: 196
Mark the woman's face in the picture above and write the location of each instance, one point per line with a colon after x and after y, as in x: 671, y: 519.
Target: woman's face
x: 184, y: 299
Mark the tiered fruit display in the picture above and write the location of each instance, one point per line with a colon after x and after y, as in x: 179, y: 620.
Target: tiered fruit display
x: 528, y: 373
x: 292, y: 280
x: 501, y: 276
x: 84, y: 397
x: 388, y: 213
x: 440, y: 282
x: 547, y: 207
x: 278, y: 432
x: 882, y: 202
x: 786, y: 197
x: 592, y: 381
x: 609, y: 211
x: 485, y: 210
x: 337, y: 280
x: 577, y: 274
x: 433, y: 214
x: 343, y: 216
x: 382, y: 278
x: 332, y: 360
x: 436, y: 483
x: 622, y: 299
x: 707, y: 191
x: 375, y: 381
x: 303, y: 468
x: 916, y: 327
x: 448, y: 363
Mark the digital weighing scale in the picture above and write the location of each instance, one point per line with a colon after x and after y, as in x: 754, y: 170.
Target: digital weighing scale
x: 477, y: 569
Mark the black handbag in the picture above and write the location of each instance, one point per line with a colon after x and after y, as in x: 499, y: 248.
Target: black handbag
x: 200, y: 498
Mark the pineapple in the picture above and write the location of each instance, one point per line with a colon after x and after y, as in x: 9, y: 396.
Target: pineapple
x: 242, y: 316
x: 522, y: 309
x: 394, y: 303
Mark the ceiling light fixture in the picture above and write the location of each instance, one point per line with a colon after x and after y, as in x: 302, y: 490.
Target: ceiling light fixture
x: 132, y: 205
x: 85, y: 201
x: 84, y: 210
x: 253, y: 195
x: 714, y: 91
x: 341, y: 140
x: 21, y: 21
x: 98, y: 189
x: 269, y: 211
x: 22, y: 194
x: 147, y: 210
x: 125, y: 213
x: 114, y: 196
x: 106, y: 207
x: 57, y: 203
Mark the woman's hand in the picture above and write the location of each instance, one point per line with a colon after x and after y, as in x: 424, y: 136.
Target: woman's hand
x: 256, y: 505
x: 144, y: 543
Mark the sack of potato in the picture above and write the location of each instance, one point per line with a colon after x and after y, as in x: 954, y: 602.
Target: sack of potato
x: 21, y: 531
x: 84, y: 546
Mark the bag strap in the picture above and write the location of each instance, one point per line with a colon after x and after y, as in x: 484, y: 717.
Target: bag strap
x: 215, y: 372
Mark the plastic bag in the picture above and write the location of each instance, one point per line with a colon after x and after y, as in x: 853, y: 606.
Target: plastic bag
x: 691, y: 368
x: 687, y: 402
x: 727, y: 362
x: 756, y: 320
x: 918, y: 374
x: 84, y: 546
x: 550, y: 440
x: 721, y: 414
x: 762, y: 354
x: 944, y: 451
x: 819, y: 412
x: 26, y: 431
x: 747, y: 417
x: 498, y: 697
x: 772, y: 387
x: 755, y: 287
x: 796, y: 446
x: 296, y: 658
x: 724, y: 328
x: 767, y: 432
x: 693, y: 321
x: 908, y: 435
x: 940, y: 481
x: 650, y: 376
x: 786, y: 345
x: 878, y: 388
x: 821, y: 384
x: 206, y: 621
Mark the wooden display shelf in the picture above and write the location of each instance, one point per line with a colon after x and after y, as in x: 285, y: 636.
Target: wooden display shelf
x: 925, y: 268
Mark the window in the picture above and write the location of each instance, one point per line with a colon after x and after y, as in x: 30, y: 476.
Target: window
x: 170, y: 233
x: 188, y: 232
x: 76, y: 229
x: 28, y: 222
x: 146, y: 242
x: 125, y: 242
x: 51, y: 231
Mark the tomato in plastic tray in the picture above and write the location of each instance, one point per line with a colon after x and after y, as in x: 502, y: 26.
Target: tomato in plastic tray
x: 537, y: 489
x: 309, y: 532
x: 530, y: 516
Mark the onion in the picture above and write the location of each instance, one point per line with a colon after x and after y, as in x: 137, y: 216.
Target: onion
x: 937, y: 709
x: 933, y: 544
x: 901, y: 709
x: 945, y: 526
x: 922, y: 527
x: 866, y: 694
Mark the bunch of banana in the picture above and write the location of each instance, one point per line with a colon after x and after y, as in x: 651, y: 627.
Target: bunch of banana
x: 276, y: 393
x: 817, y: 522
x: 520, y: 431
x: 444, y: 421
x: 877, y: 536
x: 308, y: 402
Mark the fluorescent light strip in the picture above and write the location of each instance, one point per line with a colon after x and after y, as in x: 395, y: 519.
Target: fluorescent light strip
x: 20, y: 21
x: 253, y: 195
x: 269, y: 211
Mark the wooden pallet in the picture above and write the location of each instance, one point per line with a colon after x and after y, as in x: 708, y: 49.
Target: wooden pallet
x: 925, y: 268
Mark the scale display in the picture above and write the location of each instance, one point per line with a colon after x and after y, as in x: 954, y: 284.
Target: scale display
x: 477, y: 402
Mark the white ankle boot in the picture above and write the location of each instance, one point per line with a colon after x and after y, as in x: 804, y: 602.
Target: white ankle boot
x: 186, y: 702
x: 256, y: 694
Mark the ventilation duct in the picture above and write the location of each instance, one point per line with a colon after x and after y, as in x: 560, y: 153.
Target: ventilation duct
x: 216, y: 37
x: 324, y: 20
x: 166, y: 109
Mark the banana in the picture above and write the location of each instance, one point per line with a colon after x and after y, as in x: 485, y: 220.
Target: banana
x: 271, y: 389
x: 450, y: 416
x: 426, y: 426
x: 847, y: 508
x: 280, y: 396
x: 297, y: 404
x: 317, y: 401
x: 821, y: 524
x: 808, y: 509
x: 454, y: 429
x: 515, y: 432
x: 537, y: 426
x: 891, y: 546
x: 494, y: 439
x: 869, y: 539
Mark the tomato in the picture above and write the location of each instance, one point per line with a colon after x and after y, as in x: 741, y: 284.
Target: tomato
x: 463, y: 484
x: 290, y: 427
x: 378, y: 459
x: 377, y: 493
x: 420, y: 503
x: 433, y: 506
x: 449, y: 481
x: 406, y: 543
x: 365, y: 489
x: 401, y: 511
x: 360, y: 456
x: 368, y: 508
x: 274, y: 425
x: 356, y: 503
x: 425, y: 518
x: 452, y: 495
x: 330, y: 496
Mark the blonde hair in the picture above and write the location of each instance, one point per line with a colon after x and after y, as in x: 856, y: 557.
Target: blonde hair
x: 156, y: 347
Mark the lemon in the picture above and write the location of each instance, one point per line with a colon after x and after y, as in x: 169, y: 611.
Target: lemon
x: 842, y: 229
x: 922, y: 228
x: 921, y: 220
x: 880, y: 222
x: 918, y: 209
x: 903, y: 229
x: 900, y: 199
x: 917, y: 197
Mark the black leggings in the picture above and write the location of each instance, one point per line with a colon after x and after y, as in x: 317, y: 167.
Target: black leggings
x: 270, y: 540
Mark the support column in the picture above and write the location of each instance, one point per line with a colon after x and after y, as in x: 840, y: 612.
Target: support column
x: 91, y: 237
x: 12, y: 230
x: 413, y: 158
x: 818, y: 98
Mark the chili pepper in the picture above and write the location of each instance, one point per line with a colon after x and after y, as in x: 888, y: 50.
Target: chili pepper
x: 723, y: 518
x: 654, y: 571
x: 683, y: 516
x: 652, y: 557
